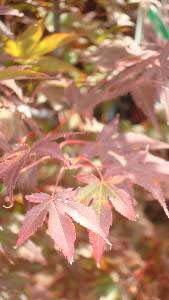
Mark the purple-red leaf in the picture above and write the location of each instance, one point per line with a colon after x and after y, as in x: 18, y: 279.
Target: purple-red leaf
x: 97, y: 242
x: 85, y: 216
x: 37, y: 197
x: 4, y: 144
x: 33, y: 219
x: 59, y: 207
x: 123, y: 203
x: 109, y: 140
x: 62, y: 231
x: 46, y: 146
x: 10, y: 166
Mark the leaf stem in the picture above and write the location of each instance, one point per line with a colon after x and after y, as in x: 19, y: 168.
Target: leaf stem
x: 34, y: 164
x: 92, y: 165
x: 68, y: 142
x: 58, y: 178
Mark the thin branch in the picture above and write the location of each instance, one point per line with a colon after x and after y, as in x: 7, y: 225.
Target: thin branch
x: 34, y: 164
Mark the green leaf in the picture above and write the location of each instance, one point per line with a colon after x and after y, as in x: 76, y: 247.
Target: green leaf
x: 53, y: 65
x: 19, y: 73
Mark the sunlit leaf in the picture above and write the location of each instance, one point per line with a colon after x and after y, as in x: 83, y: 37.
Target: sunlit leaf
x: 52, y: 42
x: 26, y: 42
x: 98, y: 193
x: 60, y: 208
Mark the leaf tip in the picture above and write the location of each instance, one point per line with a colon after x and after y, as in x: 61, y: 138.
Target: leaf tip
x: 70, y: 260
x: 19, y: 242
x: 108, y: 242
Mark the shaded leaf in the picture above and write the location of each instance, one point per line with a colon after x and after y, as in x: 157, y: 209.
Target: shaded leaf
x: 33, y: 220
x: 20, y: 73
x: 109, y: 141
x: 4, y: 144
x: 54, y: 65
x: 10, y: 167
x: 47, y: 146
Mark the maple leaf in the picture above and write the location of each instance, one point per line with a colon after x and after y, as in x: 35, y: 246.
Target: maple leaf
x: 162, y: 83
x: 100, y: 193
x: 48, y: 146
x: 145, y: 170
x: 10, y: 167
x: 27, y: 180
x: 84, y: 103
x: 145, y: 96
x: 4, y: 144
x: 146, y: 78
x: 154, y: 86
x: 13, y: 162
x: 127, y: 80
x: 105, y: 218
x: 150, y: 172
x: 59, y: 209
x: 109, y: 140
x: 107, y: 56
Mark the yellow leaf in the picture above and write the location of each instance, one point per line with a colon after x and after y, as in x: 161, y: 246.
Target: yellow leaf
x: 53, y: 65
x: 12, y: 48
x: 52, y: 42
x: 25, y: 43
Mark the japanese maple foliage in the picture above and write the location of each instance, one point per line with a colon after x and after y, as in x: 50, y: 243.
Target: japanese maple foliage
x: 106, y: 168
x: 125, y: 160
x: 124, y: 163
x: 59, y: 207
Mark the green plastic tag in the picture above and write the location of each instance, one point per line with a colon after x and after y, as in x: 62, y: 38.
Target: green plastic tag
x: 158, y: 24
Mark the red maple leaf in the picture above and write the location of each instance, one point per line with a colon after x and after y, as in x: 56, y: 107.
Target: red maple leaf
x: 10, y: 167
x: 109, y: 140
x: 60, y: 208
x: 145, y: 170
x: 48, y: 146
x: 3, y: 143
x: 14, y: 161
x: 101, y: 194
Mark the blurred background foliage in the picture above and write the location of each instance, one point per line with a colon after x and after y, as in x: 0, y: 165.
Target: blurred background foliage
x: 51, y: 43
